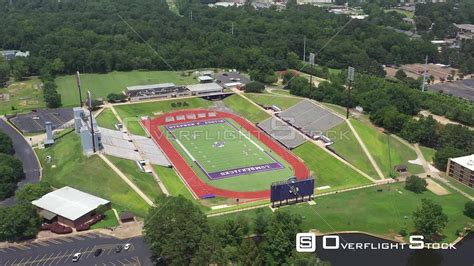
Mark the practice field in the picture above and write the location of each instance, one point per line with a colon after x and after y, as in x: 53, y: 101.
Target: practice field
x: 21, y: 97
x: 226, y: 156
x: 101, y: 85
x: 221, y: 154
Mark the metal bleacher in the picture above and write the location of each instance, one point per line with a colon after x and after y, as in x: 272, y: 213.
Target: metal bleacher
x: 310, y: 119
x: 283, y: 133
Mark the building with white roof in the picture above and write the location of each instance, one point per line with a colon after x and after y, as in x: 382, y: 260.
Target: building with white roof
x: 69, y: 206
x: 462, y: 169
x: 204, y: 88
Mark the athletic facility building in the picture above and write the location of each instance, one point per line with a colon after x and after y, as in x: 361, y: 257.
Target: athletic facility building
x: 462, y: 169
x: 69, y: 206
x: 221, y: 154
x: 170, y: 90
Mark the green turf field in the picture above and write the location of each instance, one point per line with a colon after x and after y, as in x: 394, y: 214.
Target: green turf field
x: 245, y: 108
x: 327, y: 170
x: 268, y: 100
x: 70, y: 168
x: 368, y: 210
x: 107, y: 119
x: 21, y: 97
x: 379, y: 145
x: 347, y: 146
x: 101, y: 85
x: 220, y: 147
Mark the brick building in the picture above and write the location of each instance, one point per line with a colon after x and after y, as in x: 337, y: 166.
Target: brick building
x: 462, y: 169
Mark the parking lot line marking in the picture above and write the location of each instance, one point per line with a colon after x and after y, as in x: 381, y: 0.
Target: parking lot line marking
x: 13, y: 262
x: 54, y: 241
x: 6, y: 263
x: 69, y: 255
x: 56, y: 256
x: 66, y: 239
x: 109, y: 251
x: 27, y: 261
x: 19, y: 263
x: 42, y: 244
x: 46, y: 260
x: 3, y: 250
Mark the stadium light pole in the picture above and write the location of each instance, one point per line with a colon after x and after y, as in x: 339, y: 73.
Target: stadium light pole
x: 311, y: 64
x: 350, y: 78
x: 78, y: 80
x: 304, y: 49
x: 424, y: 75
x: 91, y: 116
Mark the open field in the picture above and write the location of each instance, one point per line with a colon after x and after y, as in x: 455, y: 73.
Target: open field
x: 172, y: 182
x: 22, y: 96
x: 145, y: 181
x: 281, y: 92
x: 107, y: 119
x: 70, y: 168
x: 428, y: 153
x: 406, y: 13
x: 347, y: 146
x: 379, y: 145
x: 219, y: 147
x: 370, y: 211
x: 245, y: 109
x: 101, y: 85
x: 109, y: 221
x: 327, y: 170
x: 268, y: 100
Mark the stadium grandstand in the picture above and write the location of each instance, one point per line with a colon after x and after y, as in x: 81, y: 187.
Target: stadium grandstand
x: 162, y: 90
x: 310, y: 119
x: 283, y: 133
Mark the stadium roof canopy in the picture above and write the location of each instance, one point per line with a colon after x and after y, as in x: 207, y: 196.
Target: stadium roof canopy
x: 69, y: 203
x: 465, y: 161
x: 150, y: 87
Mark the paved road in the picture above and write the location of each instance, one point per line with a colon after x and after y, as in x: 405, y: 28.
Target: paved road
x: 59, y: 251
x: 25, y: 153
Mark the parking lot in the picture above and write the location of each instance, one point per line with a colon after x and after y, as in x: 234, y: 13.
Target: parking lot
x: 60, y: 251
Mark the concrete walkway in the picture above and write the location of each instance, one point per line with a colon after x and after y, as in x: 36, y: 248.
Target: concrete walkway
x: 125, y: 178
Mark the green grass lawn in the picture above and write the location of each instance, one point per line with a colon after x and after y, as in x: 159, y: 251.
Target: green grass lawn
x: 336, y: 108
x: 101, y: 85
x: 379, y: 145
x: 407, y: 14
x: 237, y: 152
x: 367, y: 210
x: 428, y: 153
x: 281, y: 92
x: 172, y: 182
x: 145, y: 181
x: 268, y: 100
x: 245, y: 108
x: 327, y: 170
x: 109, y: 221
x: 460, y: 186
x: 70, y: 168
x: 107, y: 119
x: 347, y: 146
x: 23, y: 96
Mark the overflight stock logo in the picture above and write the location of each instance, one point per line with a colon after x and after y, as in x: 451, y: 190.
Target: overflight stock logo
x: 306, y: 242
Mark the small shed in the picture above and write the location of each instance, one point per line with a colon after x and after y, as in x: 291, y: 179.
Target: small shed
x: 401, y: 168
x: 126, y: 217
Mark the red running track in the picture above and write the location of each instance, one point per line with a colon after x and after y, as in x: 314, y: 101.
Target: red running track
x: 196, y: 184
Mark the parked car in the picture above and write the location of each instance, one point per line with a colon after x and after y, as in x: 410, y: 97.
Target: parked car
x: 127, y: 246
x: 76, y: 257
x: 97, y: 252
x: 118, y: 249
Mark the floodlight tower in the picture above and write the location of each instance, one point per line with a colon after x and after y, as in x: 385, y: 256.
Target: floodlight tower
x: 89, y: 103
x: 425, y: 72
x: 311, y: 64
x: 350, y: 78
x: 78, y: 79
x: 304, y: 49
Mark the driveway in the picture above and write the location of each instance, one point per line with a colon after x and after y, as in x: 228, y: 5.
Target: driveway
x: 25, y: 153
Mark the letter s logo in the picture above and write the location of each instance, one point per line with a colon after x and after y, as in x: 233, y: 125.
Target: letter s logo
x: 416, y: 242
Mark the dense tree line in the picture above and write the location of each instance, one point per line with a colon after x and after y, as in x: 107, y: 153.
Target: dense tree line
x: 19, y: 222
x: 90, y: 36
x: 11, y: 169
x: 394, y: 106
x: 180, y: 234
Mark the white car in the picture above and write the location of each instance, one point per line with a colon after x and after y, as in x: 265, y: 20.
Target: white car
x: 127, y: 246
x: 76, y: 257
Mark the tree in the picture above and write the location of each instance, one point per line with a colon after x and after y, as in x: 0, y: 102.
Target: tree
x: 415, y: 184
x: 19, y: 222
x: 250, y: 253
x: 6, y: 145
x: 11, y: 172
x: 429, y: 219
x: 4, y: 71
x: 280, y: 236
x: 116, y: 97
x: 261, y: 222
x: 442, y: 155
x: 57, y: 66
x: 400, y: 74
x: 254, y: 86
x: 422, y: 23
x: 30, y: 192
x: 469, y: 209
x: 174, y: 229
x: 51, y: 95
x: 19, y: 68
x: 299, y: 86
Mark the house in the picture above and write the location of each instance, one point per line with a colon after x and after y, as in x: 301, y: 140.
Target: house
x: 12, y: 54
x: 69, y: 206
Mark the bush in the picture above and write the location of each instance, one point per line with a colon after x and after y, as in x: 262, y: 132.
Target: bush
x: 469, y: 209
x: 415, y: 184
x: 254, y: 86
x: 116, y: 97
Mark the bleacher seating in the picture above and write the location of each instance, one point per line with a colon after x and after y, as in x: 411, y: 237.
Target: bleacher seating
x: 283, y: 133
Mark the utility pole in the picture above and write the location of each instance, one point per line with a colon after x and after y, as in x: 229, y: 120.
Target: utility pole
x: 304, y: 49
x: 311, y: 64
x: 350, y: 77
x: 78, y: 79
x: 191, y: 15
x: 91, y: 119
x: 232, y: 28
x: 424, y: 75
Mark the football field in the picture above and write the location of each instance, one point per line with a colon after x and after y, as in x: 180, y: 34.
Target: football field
x: 227, y: 156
